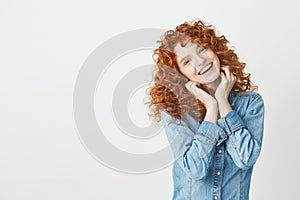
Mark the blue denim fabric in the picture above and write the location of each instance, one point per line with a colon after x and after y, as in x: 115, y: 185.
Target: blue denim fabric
x: 215, y: 161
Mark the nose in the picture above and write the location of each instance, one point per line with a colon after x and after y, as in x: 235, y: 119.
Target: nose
x: 199, y: 61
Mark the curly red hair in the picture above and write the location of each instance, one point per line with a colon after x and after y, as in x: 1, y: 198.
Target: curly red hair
x: 169, y: 92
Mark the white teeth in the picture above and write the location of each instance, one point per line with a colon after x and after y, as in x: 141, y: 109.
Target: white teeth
x: 205, y: 69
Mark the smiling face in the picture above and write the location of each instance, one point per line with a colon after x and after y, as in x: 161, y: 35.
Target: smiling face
x: 197, y: 63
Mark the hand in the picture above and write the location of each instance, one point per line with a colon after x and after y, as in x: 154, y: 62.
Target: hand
x: 209, y: 101
x: 223, y: 90
x: 200, y: 94
x: 225, y: 86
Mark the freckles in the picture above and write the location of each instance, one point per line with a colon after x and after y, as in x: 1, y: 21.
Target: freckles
x: 211, y: 55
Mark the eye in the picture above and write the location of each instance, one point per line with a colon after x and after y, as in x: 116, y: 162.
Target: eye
x: 201, y: 49
x: 186, y: 62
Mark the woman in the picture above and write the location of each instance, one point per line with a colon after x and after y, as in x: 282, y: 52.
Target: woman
x: 212, y: 114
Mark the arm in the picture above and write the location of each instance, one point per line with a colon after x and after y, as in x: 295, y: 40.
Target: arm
x: 193, y: 151
x: 245, y: 134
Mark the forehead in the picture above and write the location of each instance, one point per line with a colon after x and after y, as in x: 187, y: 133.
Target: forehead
x: 185, y: 47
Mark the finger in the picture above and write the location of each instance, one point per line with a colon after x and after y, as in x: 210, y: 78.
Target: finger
x: 229, y: 75
x: 189, y: 84
x: 193, y: 83
x: 194, y: 86
x: 234, y: 78
x: 227, y: 72
x: 223, y: 78
x: 197, y: 92
x: 225, y: 67
x: 194, y: 89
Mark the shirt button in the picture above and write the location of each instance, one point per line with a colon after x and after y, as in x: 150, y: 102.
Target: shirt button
x: 215, y: 197
x: 220, y: 151
x: 218, y: 173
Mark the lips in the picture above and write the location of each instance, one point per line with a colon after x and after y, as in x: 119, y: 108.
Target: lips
x: 205, y: 68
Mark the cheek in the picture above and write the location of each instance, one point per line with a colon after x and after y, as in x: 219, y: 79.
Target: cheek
x: 184, y: 72
x: 217, y: 61
x: 187, y: 72
x: 211, y: 55
x: 215, y: 58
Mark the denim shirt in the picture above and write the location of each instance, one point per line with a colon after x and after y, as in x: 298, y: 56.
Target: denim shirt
x: 215, y: 161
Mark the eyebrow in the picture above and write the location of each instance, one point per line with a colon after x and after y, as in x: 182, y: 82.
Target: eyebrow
x: 184, y: 43
x: 183, y: 59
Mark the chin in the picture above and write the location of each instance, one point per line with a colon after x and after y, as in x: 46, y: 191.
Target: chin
x: 211, y: 80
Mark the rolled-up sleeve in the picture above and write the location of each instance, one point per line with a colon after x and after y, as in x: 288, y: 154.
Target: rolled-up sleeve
x: 193, y: 151
x: 245, y: 134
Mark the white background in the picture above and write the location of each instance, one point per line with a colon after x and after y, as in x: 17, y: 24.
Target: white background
x: 42, y: 47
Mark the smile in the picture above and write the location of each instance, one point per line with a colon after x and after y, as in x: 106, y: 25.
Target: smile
x: 205, y: 69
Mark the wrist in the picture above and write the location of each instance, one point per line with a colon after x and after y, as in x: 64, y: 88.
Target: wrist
x: 212, y: 105
x: 211, y: 113
x: 222, y: 99
x: 224, y: 108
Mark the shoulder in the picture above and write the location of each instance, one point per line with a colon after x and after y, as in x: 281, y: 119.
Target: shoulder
x: 245, y: 94
x: 249, y: 96
x: 167, y: 118
x: 247, y: 101
x: 172, y: 121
